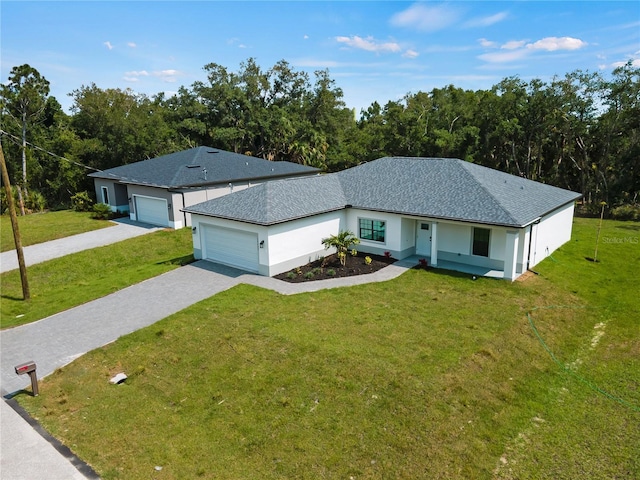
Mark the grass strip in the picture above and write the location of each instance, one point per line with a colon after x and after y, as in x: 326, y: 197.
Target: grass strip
x: 43, y: 227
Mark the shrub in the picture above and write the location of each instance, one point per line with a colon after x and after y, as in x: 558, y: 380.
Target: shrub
x: 101, y: 211
x: 626, y: 212
x: 81, y: 202
x: 367, y: 260
x: 36, y: 202
x: 291, y: 275
x: 309, y: 275
x: 387, y: 254
x: 331, y: 272
x: 317, y: 271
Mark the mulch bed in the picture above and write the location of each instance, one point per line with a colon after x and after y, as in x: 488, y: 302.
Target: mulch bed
x: 330, y: 267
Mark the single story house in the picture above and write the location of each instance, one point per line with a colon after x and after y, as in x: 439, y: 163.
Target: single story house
x: 455, y: 214
x: 157, y: 190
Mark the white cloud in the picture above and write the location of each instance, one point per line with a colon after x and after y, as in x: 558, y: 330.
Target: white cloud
x: 426, y: 18
x: 410, y: 54
x: 634, y: 63
x: 306, y: 37
x: 503, y: 57
x: 131, y: 45
x: 486, y: 21
x: 369, y: 44
x: 487, y: 43
x: 551, y: 44
x: 517, y: 49
x: 108, y: 45
x: 138, y: 73
x: 513, y: 44
x: 169, y: 75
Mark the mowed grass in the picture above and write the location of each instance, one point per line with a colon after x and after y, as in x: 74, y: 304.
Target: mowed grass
x: 43, y: 227
x: 431, y: 375
x: 72, y: 280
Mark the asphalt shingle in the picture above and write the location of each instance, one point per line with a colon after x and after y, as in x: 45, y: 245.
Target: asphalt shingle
x: 201, y: 166
x: 425, y: 187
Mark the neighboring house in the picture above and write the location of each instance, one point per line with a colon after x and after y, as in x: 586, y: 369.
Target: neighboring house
x: 453, y: 213
x: 156, y: 191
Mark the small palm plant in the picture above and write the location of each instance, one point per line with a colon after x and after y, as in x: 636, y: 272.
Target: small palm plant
x: 342, y: 242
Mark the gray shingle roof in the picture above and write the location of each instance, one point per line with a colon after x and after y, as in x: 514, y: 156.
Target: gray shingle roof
x: 425, y: 187
x: 187, y: 169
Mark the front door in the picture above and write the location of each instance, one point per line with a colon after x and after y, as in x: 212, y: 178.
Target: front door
x: 423, y: 239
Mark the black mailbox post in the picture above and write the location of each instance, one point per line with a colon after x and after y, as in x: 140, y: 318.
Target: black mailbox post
x: 30, y: 368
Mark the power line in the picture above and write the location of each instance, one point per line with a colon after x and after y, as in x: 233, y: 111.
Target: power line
x: 18, y: 141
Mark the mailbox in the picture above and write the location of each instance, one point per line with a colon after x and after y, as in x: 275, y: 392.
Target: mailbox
x: 30, y: 368
x: 26, y: 368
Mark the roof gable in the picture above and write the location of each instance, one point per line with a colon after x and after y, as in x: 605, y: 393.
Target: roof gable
x: 201, y: 166
x: 424, y: 187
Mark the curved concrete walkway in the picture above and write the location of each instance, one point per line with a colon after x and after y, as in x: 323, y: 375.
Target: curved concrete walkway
x: 41, y: 252
x: 57, y: 340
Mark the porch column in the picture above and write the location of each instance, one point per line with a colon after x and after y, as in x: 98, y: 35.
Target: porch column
x: 434, y: 244
x: 511, y: 255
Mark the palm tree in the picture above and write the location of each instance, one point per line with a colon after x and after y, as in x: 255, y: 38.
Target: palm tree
x: 342, y: 242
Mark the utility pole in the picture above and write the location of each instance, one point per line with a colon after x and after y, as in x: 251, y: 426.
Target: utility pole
x: 14, y: 224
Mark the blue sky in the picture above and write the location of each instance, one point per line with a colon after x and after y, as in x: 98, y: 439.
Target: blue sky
x: 374, y: 50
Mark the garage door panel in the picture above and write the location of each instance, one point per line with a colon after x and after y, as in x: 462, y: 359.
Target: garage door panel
x: 231, y: 247
x: 152, y: 210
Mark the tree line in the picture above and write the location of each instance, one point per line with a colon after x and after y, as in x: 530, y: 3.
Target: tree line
x: 580, y: 131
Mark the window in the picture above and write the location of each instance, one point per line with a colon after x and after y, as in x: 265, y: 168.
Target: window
x: 372, y: 230
x: 105, y: 195
x: 424, y: 226
x: 481, y: 241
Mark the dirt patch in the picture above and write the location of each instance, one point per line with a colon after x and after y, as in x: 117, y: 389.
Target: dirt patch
x: 329, y: 267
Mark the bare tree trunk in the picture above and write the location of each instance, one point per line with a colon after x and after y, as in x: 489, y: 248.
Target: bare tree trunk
x: 24, y: 165
x: 14, y: 224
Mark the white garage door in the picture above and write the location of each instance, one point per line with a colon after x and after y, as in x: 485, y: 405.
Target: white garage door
x: 152, y: 210
x: 231, y: 247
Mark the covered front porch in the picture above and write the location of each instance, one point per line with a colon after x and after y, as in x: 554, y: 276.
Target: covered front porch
x: 498, y: 253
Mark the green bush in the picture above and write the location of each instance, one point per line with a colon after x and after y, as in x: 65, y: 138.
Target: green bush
x: 101, y: 211
x: 81, y: 202
x: 36, y: 202
x: 626, y: 212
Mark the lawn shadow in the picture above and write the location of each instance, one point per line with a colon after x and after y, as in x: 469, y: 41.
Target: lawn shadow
x: 11, y: 297
x: 219, y: 268
x: 18, y: 393
x: 635, y: 228
x: 183, y: 260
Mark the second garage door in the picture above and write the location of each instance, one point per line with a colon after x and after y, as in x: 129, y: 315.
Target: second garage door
x: 231, y: 247
x: 152, y: 210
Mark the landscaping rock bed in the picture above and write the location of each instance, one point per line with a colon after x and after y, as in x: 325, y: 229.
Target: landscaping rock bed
x: 329, y: 267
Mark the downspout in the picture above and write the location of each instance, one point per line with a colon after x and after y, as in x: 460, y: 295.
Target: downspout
x: 184, y: 214
x: 530, y: 242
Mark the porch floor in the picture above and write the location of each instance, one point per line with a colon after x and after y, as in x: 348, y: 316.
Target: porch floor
x: 459, y: 267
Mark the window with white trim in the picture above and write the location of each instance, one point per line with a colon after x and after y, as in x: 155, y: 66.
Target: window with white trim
x: 373, y: 230
x: 105, y: 195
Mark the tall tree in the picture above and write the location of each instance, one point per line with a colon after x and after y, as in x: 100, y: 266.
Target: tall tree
x: 24, y: 98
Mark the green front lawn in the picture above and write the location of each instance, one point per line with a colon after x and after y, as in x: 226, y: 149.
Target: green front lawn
x: 42, y: 227
x: 431, y: 375
x: 72, y: 280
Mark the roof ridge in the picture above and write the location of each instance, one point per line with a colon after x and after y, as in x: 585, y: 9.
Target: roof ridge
x: 464, y: 164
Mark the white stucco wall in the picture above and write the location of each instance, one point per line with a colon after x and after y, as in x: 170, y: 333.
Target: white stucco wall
x: 454, y: 238
x: 553, y: 231
x: 302, y: 237
x: 286, y: 245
